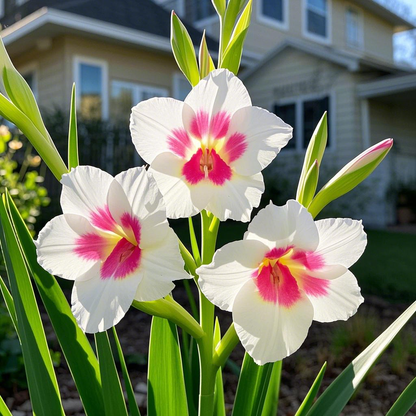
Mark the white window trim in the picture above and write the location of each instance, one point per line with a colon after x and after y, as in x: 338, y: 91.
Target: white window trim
x: 360, y: 13
x: 33, y: 67
x: 267, y: 20
x: 77, y: 60
x: 139, y: 88
x: 328, y: 39
x: 298, y: 101
x: 20, y: 2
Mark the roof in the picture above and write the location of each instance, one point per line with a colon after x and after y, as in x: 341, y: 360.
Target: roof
x: 400, y: 22
x: 350, y: 62
x: 387, y: 86
x: 141, y: 15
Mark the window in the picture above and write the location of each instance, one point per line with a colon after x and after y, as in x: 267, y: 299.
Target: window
x: 202, y: 9
x: 353, y: 27
x: 303, y: 115
x: 1, y: 8
x: 274, y: 12
x: 125, y: 95
x: 288, y: 114
x: 20, y: 2
x: 91, y: 81
x: 316, y: 16
x: 312, y: 113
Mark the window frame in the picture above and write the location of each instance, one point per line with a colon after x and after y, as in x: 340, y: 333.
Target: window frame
x: 137, y: 89
x: 298, y: 101
x: 360, y: 15
x: 178, y: 77
x: 77, y: 61
x: 267, y: 20
x: 313, y: 36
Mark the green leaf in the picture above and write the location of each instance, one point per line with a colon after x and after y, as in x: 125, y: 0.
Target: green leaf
x: 314, y: 152
x: 252, y: 387
x: 206, y: 64
x: 232, y: 55
x: 190, y: 386
x: 272, y: 397
x: 219, y: 406
x: 8, y: 300
x: 307, y: 192
x: 183, y: 50
x: 336, y: 396
x: 73, y: 161
x: 133, y: 409
x: 405, y: 401
x: 165, y: 379
x: 234, y: 8
x: 4, y: 411
x: 76, y: 348
x: 220, y: 6
x: 312, y: 393
x: 19, y: 91
x: 112, y: 393
x: 41, y: 379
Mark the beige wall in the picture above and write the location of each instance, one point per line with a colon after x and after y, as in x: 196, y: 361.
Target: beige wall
x: 263, y: 38
x: 55, y: 67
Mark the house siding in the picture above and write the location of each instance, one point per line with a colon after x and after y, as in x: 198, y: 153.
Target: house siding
x: 50, y: 71
x: 262, y: 38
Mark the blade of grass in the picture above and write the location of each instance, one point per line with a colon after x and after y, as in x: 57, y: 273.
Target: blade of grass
x: 312, y: 393
x: 405, y: 401
x: 73, y: 161
x: 133, y: 408
x: 336, y: 396
x: 219, y: 406
x: 165, y: 382
x: 271, y: 401
x: 41, y: 379
x: 4, y: 411
x: 8, y: 300
x: 112, y: 393
x: 76, y: 348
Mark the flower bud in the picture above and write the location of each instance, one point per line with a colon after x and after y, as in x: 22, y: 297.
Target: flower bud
x: 350, y: 175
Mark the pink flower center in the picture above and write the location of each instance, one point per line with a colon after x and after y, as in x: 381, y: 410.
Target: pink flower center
x: 207, y: 148
x: 285, y: 273
x: 116, y: 247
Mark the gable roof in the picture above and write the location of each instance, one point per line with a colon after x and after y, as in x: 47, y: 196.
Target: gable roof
x: 350, y: 62
x: 141, y: 15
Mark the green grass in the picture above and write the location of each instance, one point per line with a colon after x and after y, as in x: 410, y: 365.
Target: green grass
x: 386, y: 269
x: 388, y: 266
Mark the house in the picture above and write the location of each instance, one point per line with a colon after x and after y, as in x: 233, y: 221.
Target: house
x: 302, y: 57
x: 335, y: 55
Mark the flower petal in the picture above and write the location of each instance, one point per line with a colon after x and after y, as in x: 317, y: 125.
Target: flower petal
x: 341, y: 300
x: 270, y: 332
x: 84, y: 191
x: 232, y: 266
x: 236, y: 198
x: 152, y: 289
x: 341, y: 240
x: 98, y: 304
x: 57, y: 248
x: 220, y: 91
x: 182, y: 200
x: 278, y: 227
x: 264, y: 136
x: 163, y: 263
x: 156, y: 127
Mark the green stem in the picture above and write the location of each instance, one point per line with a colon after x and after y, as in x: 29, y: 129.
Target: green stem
x: 194, y: 243
x: 209, y: 227
x: 225, y: 347
x: 170, y: 309
x: 188, y: 259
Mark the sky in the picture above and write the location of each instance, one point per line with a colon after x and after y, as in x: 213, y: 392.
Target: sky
x: 404, y: 45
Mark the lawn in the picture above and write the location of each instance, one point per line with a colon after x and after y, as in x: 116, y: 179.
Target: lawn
x: 387, y: 268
